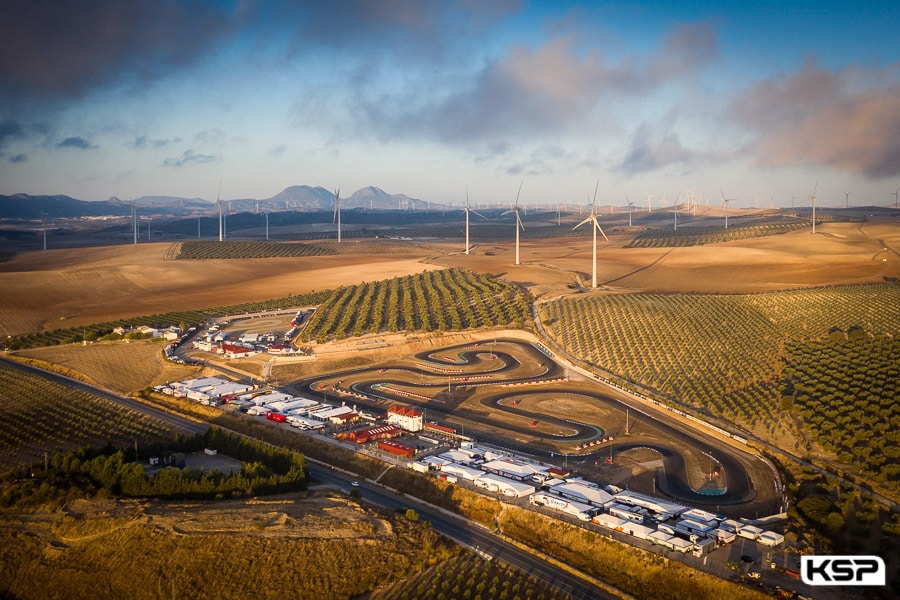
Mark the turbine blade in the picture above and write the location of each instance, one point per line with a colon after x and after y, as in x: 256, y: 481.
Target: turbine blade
x: 587, y: 220
x: 600, y: 229
x: 594, y: 203
x: 517, y: 194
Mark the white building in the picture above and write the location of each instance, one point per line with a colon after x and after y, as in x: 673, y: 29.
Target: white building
x: 408, y: 419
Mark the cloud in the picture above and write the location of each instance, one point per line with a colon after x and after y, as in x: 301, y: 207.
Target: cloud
x: 189, y: 157
x: 276, y: 151
x: 211, y: 136
x: 76, y: 142
x: 18, y: 158
x: 10, y: 130
x: 144, y: 141
x: 553, y: 89
x: 56, y: 49
x: 848, y: 119
x: 650, y: 150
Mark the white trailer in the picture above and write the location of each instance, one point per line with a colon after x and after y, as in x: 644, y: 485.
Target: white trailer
x: 770, y: 538
x: 660, y: 538
x: 704, y: 547
x: 609, y: 521
x: 576, y: 509
x: 750, y: 532
x: 641, y: 532
x: 724, y: 536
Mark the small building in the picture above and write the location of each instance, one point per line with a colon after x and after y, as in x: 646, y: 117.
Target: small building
x: 507, y: 487
x: 408, y: 419
x: 344, y: 418
x: 233, y: 351
x: 396, y: 448
x: 512, y: 469
x: 582, y: 491
x: 369, y: 434
x: 462, y: 471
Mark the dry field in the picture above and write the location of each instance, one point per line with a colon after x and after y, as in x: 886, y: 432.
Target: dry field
x: 46, y: 290
x: 839, y: 253
x: 81, y: 286
x: 120, y: 366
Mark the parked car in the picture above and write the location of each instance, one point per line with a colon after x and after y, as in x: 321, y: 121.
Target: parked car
x: 748, y: 559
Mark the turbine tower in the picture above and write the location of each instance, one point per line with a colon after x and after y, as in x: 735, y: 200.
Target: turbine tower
x: 676, y: 210
x: 725, y: 202
x: 847, y: 199
x: 134, y: 221
x: 267, y: 226
x: 44, y: 227
x: 467, y: 211
x: 649, y: 199
x: 337, y: 213
x: 221, y: 217
x: 812, y: 198
x: 515, y: 210
x: 595, y: 228
x: 897, y: 198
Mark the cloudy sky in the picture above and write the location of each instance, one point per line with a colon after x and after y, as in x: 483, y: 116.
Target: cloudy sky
x: 759, y: 99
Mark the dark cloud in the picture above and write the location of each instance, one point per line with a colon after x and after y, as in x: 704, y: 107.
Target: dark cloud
x: 685, y: 49
x: 18, y: 158
x: 57, y: 48
x: 189, y: 157
x: 76, y: 142
x: 10, y: 130
x: 277, y: 151
x: 848, y: 119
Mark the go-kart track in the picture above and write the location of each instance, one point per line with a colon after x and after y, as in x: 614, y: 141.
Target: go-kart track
x: 514, y: 396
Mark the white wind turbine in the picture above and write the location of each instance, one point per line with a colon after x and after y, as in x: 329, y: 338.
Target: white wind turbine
x: 467, y: 211
x: 221, y: 218
x: 812, y: 198
x: 897, y: 198
x: 337, y: 213
x: 676, y: 210
x: 630, y: 207
x: 595, y: 228
x: 649, y: 199
x: 847, y: 199
x: 725, y: 202
x: 134, y: 221
x: 515, y: 209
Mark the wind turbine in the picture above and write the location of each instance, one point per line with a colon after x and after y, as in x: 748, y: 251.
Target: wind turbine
x: 44, y: 227
x: 676, y: 210
x: 515, y: 209
x: 267, y: 226
x: 847, y: 199
x: 596, y: 227
x: 134, y: 221
x: 649, y: 199
x: 337, y: 213
x: 221, y: 217
x: 630, y: 207
x: 897, y: 198
x: 812, y: 198
x: 467, y: 211
x: 725, y: 202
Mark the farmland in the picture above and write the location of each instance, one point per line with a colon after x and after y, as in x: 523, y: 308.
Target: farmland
x: 695, y: 236
x: 451, y: 299
x: 725, y: 356
x: 38, y: 416
x: 208, y: 250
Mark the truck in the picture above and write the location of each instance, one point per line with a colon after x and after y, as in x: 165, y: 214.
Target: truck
x: 704, y: 547
x: 276, y: 417
x: 750, y: 532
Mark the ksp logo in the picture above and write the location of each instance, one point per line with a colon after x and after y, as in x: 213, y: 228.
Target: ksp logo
x: 842, y: 570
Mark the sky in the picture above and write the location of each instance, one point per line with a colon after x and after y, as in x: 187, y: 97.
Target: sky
x: 758, y: 101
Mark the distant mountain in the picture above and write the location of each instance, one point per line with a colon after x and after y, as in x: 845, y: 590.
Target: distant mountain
x: 296, y: 197
x: 373, y: 198
x: 26, y: 206
x: 301, y: 197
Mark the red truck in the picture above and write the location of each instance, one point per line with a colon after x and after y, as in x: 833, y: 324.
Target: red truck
x: 277, y: 417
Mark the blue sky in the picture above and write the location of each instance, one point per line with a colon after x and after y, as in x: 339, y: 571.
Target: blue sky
x: 129, y: 98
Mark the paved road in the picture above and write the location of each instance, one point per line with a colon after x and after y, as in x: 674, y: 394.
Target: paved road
x: 458, y: 529
x: 471, y: 535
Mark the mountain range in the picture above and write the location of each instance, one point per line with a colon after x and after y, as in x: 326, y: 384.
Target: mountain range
x: 296, y: 198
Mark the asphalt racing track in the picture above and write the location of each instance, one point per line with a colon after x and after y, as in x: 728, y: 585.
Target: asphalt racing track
x: 480, y: 370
